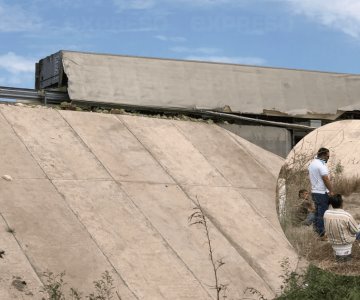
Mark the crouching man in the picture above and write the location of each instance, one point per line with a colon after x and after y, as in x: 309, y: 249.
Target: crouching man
x: 341, y: 229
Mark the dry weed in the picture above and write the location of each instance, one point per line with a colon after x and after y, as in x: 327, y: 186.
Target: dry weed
x: 346, y: 186
x: 303, y: 238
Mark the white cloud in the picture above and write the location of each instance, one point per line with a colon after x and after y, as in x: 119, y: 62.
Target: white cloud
x: 343, y: 15
x: 13, y: 18
x: 16, y: 64
x: 170, y: 38
x: 16, y: 70
x: 201, y: 50
x: 228, y: 59
x: 212, y: 55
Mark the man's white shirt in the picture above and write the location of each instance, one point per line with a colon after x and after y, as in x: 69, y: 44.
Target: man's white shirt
x: 318, y: 169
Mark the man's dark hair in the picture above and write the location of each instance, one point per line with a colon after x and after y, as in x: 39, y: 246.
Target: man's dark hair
x: 322, y: 151
x: 336, y: 201
x: 302, y: 191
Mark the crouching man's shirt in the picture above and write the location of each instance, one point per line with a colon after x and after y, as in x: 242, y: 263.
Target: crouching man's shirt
x: 340, y: 227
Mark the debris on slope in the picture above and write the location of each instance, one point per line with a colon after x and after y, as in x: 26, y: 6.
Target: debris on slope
x: 7, y: 177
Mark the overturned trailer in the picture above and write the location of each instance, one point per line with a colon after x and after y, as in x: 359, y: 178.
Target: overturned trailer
x: 294, y: 96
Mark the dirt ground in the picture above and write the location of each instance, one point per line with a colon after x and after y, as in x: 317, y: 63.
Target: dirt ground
x: 325, y: 259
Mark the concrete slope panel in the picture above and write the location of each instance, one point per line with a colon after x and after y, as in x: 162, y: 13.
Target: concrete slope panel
x: 168, y: 208
x: 259, y: 243
x: 236, y: 163
x: 138, y: 252
x: 117, y: 149
x: 177, y: 155
x: 15, y: 160
x: 262, y: 200
x: 231, y: 160
x: 55, y: 146
x: 50, y: 235
x: 18, y: 279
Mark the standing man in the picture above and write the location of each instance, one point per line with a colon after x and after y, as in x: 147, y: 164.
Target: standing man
x: 321, y: 187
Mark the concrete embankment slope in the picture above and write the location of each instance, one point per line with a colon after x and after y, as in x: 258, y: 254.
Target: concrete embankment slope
x: 94, y: 192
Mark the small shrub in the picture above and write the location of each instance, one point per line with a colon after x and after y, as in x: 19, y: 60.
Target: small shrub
x: 103, y: 288
x: 254, y: 292
x: 292, y: 281
x: 198, y: 217
x: 54, y: 286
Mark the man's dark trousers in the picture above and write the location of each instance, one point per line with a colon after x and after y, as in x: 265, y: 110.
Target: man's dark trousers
x: 321, y: 205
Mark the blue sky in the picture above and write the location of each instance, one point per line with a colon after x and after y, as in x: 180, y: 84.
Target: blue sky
x: 305, y: 34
